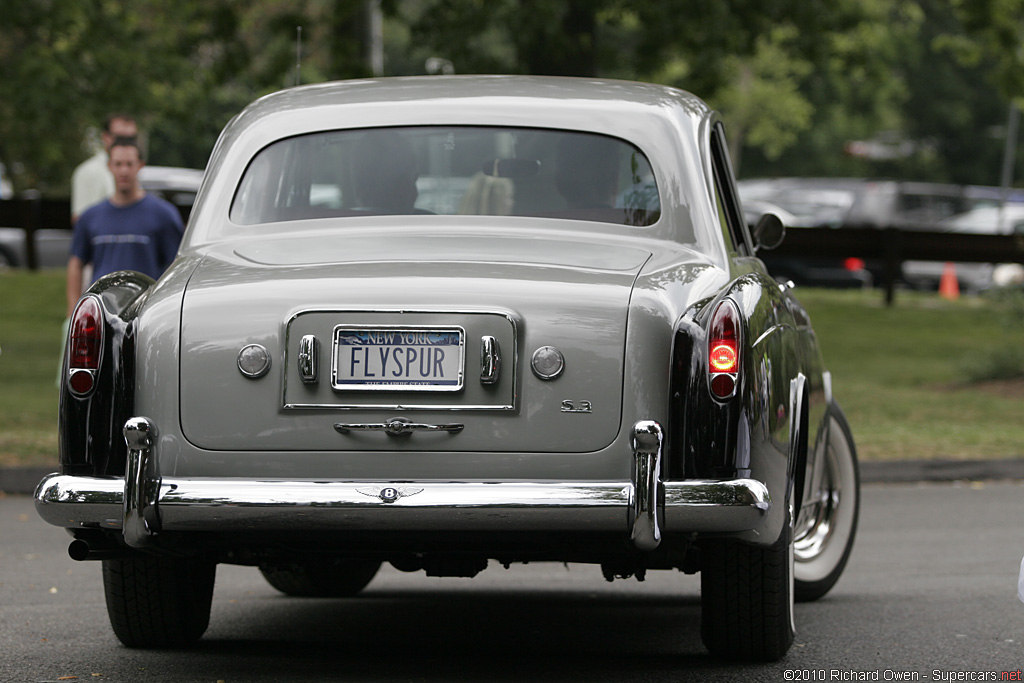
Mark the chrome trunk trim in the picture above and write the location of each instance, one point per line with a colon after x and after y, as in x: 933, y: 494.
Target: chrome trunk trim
x: 398, y: 426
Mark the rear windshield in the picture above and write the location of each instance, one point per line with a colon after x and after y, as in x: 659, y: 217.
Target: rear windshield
x: 452, y: 171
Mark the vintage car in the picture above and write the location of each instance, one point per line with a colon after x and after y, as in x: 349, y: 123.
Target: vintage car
x: 445, y: 320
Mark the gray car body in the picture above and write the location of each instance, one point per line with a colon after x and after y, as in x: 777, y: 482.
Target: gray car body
x: 176, y: 446
x: 610, y: 296
x: 628, y: 307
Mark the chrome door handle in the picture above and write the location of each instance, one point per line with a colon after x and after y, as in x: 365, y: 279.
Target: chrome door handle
x: 309, y: 359
x: 398, y: 426
x: 490, y: 360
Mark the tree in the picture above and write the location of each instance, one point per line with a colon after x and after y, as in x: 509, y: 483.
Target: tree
x: 183, y: 69
x: 795, y: 80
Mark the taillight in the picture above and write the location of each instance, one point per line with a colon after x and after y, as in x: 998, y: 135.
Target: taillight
x: 85, y: 342
x: 724, y: 349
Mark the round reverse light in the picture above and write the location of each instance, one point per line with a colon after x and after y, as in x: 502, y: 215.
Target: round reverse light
x: 81, y: 381
x: 253, y: 361
x: 547, y: 362
x: 723, y: 385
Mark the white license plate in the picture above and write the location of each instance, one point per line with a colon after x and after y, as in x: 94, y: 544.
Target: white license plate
x: 398, y: 358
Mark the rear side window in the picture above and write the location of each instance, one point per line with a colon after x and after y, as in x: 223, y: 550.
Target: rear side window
x: 450, y: 171
x: 726, y: 196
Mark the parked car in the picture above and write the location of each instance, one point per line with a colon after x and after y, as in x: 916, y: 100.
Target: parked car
x: 811, y: 202
x: 441, y: 321
x: 972, y: 277
x: 807, y: 203
x: 176, y: 185
x: 906, y: 205
x: 842, y: 202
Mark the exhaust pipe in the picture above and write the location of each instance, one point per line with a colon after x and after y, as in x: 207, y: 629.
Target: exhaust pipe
x: 80, y: 551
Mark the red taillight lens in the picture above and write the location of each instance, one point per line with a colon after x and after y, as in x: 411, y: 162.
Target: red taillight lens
x: 85, y: 343
x: 724, y: 349
x: 85, y: 336
x: 724, y: 357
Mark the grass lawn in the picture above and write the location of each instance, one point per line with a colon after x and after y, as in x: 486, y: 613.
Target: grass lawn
x: 901, y: 373
x: 32, y: 310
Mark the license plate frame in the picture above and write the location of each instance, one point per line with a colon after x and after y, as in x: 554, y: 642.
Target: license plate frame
x: 386, y: 362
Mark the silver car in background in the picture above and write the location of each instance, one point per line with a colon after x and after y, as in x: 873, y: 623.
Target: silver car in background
x: 177, y: 185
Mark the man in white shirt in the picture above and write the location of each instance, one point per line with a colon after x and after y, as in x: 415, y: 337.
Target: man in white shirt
x: 92, y: 181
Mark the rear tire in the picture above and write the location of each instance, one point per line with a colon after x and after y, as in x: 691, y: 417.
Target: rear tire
x: 156, y: 602
x: 827, y: 525
x: 747, y: 599
x: 329, y: 578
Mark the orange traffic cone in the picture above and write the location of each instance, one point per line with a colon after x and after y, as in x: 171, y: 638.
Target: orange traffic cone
x: 949, y: 288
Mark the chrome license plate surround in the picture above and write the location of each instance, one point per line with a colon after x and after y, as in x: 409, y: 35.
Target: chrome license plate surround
x: 398, y: 358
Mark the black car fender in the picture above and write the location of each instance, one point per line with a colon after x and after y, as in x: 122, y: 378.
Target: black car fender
x: 90, y: 426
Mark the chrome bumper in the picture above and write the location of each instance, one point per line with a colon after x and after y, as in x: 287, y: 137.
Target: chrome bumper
x: 142, y: 504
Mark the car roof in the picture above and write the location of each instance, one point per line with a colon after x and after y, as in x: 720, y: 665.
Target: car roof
x: 625, y: 109
x: 550, y: 89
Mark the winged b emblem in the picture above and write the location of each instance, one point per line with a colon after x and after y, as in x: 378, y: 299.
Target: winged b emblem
x: 388, y: 494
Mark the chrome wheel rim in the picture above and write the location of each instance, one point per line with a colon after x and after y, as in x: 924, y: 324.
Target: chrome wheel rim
x: 826, y: 520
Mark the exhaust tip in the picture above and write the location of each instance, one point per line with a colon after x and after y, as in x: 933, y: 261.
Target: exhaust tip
x: 78, y: 550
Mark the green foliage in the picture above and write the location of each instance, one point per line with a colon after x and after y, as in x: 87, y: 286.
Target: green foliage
x: 183, y: 69
x: 761, y: 97
x: 795, y: 80
x: 996, y: 29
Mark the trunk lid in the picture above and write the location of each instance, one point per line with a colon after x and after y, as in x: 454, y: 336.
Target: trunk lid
x: 390, y: 326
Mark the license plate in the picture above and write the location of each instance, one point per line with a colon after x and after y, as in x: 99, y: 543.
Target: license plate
x: 398, y: 358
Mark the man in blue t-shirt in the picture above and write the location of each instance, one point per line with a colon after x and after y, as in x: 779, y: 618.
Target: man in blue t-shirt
x: 130, y: 231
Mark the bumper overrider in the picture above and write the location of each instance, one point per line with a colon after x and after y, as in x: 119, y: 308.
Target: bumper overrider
x: 142, y: 504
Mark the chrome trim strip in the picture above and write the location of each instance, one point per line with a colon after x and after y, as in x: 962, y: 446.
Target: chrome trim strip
x: 141, y: 487
x: 717, y: 506
x: 397, y: 406
x: 767, y: 333
x: 399, y: 426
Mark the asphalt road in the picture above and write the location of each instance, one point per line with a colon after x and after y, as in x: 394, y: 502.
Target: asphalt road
x: 929, y: 594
